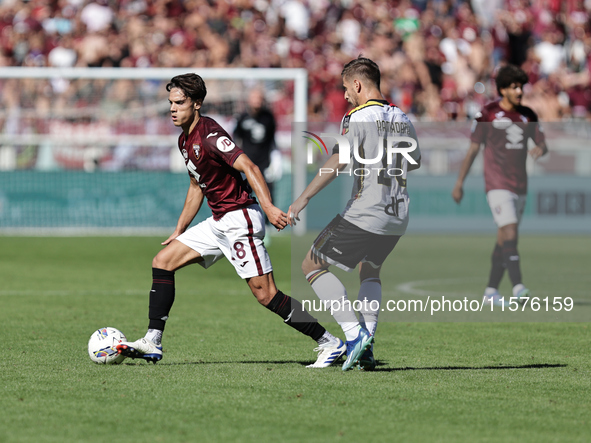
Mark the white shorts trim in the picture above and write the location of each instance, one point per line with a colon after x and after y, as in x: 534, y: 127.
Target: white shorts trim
x: 238, y: 236
x: 506, y: 206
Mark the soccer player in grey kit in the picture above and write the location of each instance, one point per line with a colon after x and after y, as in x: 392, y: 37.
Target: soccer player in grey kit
x: 376, y: 216
x: 235, y: 230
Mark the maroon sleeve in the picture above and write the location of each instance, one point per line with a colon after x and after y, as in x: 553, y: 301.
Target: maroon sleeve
x: 220, y: 143
x: 479, y: 127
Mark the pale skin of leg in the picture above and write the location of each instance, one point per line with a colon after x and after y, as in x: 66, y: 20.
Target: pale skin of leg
x: 177, y: 255
x: 312, y: 263
x: 507, y: 233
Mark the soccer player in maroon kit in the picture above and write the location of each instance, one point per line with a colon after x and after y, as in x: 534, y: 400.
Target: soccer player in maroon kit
x: 504, y: 127
x: 235, y: 230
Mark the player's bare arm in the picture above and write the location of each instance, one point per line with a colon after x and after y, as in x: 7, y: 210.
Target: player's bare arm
x: 458, y: 191
x: 322, y: 179
x: 538, y: 151
x: 193, y: 203
x: 255, y: 178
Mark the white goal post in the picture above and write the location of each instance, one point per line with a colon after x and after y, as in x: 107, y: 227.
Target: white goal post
x: 247, y: 75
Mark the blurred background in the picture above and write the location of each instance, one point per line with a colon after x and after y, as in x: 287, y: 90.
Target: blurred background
x: 93, y: 154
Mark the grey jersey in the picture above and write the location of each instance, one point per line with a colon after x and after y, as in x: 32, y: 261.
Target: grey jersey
x: 379, y: 201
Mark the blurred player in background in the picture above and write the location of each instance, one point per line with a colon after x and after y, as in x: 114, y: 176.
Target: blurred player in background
x: 376, y: 216
x: 504, y: 127
x: 216, y: 168
x: 255, y: 134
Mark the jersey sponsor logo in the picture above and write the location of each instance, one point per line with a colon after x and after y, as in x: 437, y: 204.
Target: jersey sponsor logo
x: 193, y: 171
x: 514, y: 137
x: 393, y: 209
x: 197, y: 151
x: 224, y: 144
x: 501, y: 122
x: 213, y: 134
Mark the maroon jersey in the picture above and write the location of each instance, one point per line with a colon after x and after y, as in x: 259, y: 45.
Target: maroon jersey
x: 209, y: 154
x: 505, y: 135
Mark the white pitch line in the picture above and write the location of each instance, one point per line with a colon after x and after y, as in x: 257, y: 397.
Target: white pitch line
x: 411, y: 287
x: 61, y: 292
x: 76, y: 293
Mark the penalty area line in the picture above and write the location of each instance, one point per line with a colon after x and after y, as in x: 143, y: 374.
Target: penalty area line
x: 420, y: 288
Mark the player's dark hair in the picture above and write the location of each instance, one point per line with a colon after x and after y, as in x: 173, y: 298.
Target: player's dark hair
x: 508, y: 75
x: 191, y: 84
x: 363, y: 67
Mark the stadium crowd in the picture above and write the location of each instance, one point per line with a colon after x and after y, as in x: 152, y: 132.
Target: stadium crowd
x: 437, y: 57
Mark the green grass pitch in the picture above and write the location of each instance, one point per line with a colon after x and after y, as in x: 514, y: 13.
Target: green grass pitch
x: 233, y: 372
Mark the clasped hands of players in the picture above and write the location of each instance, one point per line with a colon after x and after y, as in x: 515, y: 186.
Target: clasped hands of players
x: 294, y: 210
x: 276, y: 217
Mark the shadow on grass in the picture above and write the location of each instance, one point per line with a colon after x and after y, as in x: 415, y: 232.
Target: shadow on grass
x: 244, y: 362
x: 378, y: 364
x: 468, y: 368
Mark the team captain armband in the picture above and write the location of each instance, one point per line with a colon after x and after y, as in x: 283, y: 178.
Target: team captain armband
x: 345, y: 124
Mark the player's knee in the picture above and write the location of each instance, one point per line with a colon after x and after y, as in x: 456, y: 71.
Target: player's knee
x: 305, y: 266
x: 160, y: 262
x: 509, y: 232
x: 262, y: 295
x: 264, y: 298
x: 312, y: 263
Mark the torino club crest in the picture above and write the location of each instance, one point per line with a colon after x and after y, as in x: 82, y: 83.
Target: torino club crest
x: 197, y: 150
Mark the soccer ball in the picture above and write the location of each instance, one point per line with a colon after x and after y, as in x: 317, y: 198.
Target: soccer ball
x: 102, y: 346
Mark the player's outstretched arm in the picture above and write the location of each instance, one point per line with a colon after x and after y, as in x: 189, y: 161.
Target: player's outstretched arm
x: 193, y: 203
x: 326, y: 174
x: 538, y: 151
x: 458, y: 191
x: 255, y: 178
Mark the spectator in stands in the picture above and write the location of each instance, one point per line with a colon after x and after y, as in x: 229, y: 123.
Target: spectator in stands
x: 428, y: 43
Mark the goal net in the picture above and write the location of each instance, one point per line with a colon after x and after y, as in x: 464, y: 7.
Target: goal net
x: 94, y: 150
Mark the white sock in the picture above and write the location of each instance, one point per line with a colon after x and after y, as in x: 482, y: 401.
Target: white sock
x: 155, y: 336
x: 332, y: 293
x: 370, y: 296
x: 517, y: 288
x: 490, y: 291
x: 327, y: 337
x: 352, y: 333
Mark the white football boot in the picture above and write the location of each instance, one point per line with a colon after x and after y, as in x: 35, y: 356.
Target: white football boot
x: 141, y: 348
x: 328, y: 353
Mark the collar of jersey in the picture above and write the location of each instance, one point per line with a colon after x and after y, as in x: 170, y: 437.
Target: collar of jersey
x: 369, y: 103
